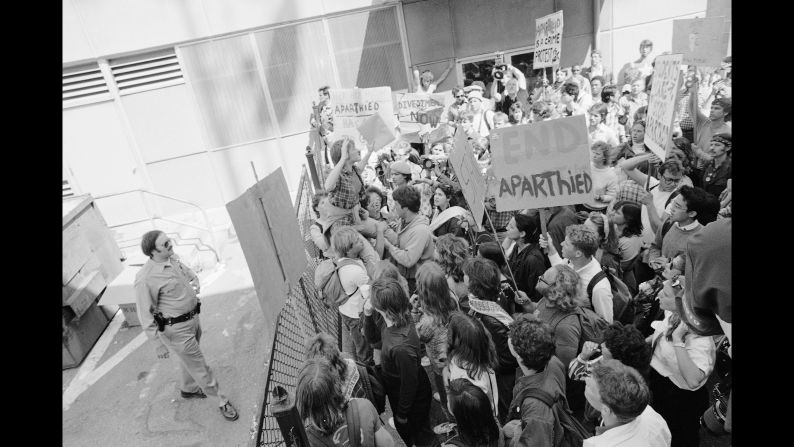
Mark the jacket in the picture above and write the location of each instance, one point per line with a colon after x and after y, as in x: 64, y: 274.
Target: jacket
x: 535, y: 414
x: 414, y: 247
x: 567, y: 331
x: 499, y: 333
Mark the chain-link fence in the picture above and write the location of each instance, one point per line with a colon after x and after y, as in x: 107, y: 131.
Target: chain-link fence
x: 302, y: 316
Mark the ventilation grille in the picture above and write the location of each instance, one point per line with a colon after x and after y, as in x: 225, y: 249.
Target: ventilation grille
x: 67, y: 189
x: 84, y: 84
x: 146, y: 72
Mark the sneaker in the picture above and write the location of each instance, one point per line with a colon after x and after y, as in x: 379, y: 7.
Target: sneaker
x: 197, y: 395
x: 229, y: 412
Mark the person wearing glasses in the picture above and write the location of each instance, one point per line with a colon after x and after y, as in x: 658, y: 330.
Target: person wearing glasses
x: 561, y: 291
x: 455, y: 109
x: 166, y: 297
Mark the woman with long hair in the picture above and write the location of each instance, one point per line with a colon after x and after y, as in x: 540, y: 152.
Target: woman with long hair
x: 450, y: 253
x: 447, y: 215
x: 324, y: 346
x: 475, y: 422
x: 384, y: 269
x: 472, y: 356
x: 608, y: 253
x: 404, y: 378
x: 438, y: 305
x: 329, y: 418
x: 627, y: 217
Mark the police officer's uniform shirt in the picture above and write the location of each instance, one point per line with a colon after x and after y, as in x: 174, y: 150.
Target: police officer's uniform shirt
x: 164, y: 287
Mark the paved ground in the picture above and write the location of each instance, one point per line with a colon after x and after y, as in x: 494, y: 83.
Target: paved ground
x: 137, y: 401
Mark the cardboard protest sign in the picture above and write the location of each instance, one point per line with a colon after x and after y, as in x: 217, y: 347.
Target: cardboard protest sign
x: 661, y: 103
x: 701, y: 41
x: 548, y: 40
x: 542, y: 165
x: 418, y: 113
x: 352, y: 106
x: 472, y: 182
x: 264, y: 220
x: 376, y: 132
x: 721, y: 8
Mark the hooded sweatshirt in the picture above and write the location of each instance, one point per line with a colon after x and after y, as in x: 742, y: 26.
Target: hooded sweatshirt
x: 414, y: 246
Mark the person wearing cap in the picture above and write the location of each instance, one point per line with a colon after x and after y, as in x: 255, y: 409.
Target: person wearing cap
x: 483, y: 118
x: 634, y: 100
x: 682, y: 360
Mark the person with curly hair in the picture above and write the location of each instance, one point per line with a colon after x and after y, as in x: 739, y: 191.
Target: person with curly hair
x: 451, y: 252
x: 562, y: 294
x: 578, y: 249
x: 531, y: 422
x: 517, y: 114
x: 622, y: 397
x: 621, y: 342
x: 437, y: 306
x: 327, y: 415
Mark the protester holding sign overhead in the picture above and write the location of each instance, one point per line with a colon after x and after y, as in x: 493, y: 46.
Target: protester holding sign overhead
x: 424, y: 83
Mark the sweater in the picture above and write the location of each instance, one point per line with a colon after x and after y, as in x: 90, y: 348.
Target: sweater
x: 605, y: 183
x: 566, y: 330
x: 414, y: 246
x: 671, y: 244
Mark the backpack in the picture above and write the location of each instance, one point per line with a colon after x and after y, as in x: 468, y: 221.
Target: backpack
x: 353, y: 430
x: 568, y: 431
x: 621, y: 296
x: 328, y: 285
x: 592, y: 326
x: 373, y: 385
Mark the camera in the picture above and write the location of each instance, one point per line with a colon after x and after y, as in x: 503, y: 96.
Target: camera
x: 427, y: 162
x: 499, y: 71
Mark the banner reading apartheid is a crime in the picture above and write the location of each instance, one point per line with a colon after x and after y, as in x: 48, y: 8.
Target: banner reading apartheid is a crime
x: 542, y: 164
x: 352, y: 106
x: 420, y: 113
x: 469, y: 174
x: 548, y: 41
x: 661, y: 103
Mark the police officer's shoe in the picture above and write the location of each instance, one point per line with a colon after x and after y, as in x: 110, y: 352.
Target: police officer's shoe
x: 229, y: 412
x: 197, y: 395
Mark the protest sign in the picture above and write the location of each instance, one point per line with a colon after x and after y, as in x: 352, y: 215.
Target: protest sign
x: 352, y: 106
x: 548, y: 40
x: 269, y: 234
x: 701, y: 41
x: 661, y: 103
x: 419, y: 113
x: 462, y: 160
x: 721, y: 8
x: 376, y: 132
x: 542, y: 165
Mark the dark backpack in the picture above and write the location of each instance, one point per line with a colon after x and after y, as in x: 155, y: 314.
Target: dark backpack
x: 373, y: 385
x: 621, y: 296
x: 568, y: 431
x: 353, y: 430
x: 327, y: 283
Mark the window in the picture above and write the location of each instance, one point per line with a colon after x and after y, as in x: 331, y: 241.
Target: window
x: 84, y: 84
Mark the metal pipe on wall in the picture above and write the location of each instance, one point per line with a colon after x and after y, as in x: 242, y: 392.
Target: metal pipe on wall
x: 596, y: 20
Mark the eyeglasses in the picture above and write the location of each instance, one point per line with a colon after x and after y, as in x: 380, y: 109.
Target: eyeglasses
x: 543, y: 280
x: 168, y: 244
x: 460, y: 96
x: 672, y: 180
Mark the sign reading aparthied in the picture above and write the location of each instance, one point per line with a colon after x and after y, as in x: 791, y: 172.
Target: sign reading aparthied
x: 542, y: 165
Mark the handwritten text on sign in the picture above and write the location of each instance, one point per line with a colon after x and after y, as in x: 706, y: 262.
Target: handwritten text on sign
x: 352, y: 106
x: 661, y: 104
x: 701, y: 41
x: 543, y: 164
x: 470, y: 176
x: 548, y: 40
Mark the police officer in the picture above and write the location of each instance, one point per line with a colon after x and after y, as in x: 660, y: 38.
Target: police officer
x: 165, y: 295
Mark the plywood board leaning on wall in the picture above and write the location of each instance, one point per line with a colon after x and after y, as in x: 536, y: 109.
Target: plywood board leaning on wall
x: 264, y: 220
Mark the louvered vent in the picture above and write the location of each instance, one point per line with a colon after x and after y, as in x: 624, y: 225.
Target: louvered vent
x: 84, y: 84
x: 67, y: 189
x: 146, y: 72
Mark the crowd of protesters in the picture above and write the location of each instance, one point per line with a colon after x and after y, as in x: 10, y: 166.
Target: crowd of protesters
x: 618, y: 316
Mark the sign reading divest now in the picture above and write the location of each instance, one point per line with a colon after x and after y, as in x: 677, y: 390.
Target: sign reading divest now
x: 462, y: 160
x: 419, y: 112
x: 661, y: 103
x: 352, y: 106
x: 548, y: 40
x: 542, y: 165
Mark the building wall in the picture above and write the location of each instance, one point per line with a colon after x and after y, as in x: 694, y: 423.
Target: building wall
x: 248, y: 85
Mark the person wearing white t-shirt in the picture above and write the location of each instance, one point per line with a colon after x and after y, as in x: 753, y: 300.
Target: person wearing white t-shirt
x: 622, y: 397
x: 578, y: 248
x: 354, y: 279
x: 681, y: 363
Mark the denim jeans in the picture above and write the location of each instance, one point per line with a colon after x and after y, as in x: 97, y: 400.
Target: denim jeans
x: 353, y: 341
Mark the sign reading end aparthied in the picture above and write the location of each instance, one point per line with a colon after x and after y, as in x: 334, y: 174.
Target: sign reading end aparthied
x: 542, y: 165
